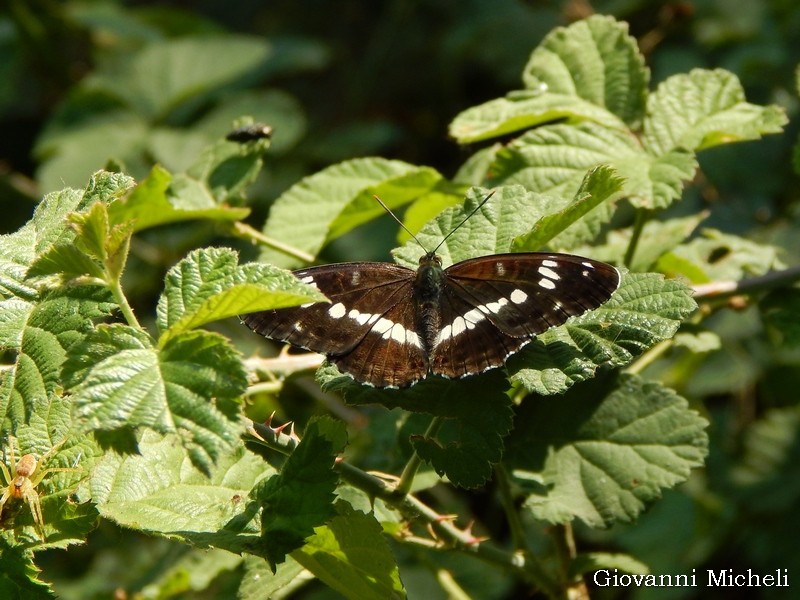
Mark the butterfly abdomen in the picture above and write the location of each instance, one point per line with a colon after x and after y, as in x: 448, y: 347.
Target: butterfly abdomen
x: 428, y: 285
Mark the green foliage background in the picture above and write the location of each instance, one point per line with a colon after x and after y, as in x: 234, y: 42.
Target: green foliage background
x: 450, y: 96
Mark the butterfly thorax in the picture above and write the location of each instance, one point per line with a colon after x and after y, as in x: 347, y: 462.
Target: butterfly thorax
x: 428, y: 286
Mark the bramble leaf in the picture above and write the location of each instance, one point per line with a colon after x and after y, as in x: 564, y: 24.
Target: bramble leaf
x: 477, y: 412
x: 327, y: 204
x: 159, y: 491
x: 600, y: 185
x: 157, y: 200
x: 120, y: 380
x: 351, y: 555
x: 645, y: 310
x: 702, y: 109
x: 601, y: 458
x: 591, y: 70
x: 209, y: 285
x: 301, y: 497
x: 42, y: 333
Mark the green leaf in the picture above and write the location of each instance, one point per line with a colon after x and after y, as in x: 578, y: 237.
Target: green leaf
x: 158, y: 491
x: 510, y: 212
x: 50, y: 437
x: 339, y: 198
x: 658, y: 237
x: 592, y: 561
x: 164, y: 74
x: 524, y: 110
x: 477, y: 412
x: 703, y: 109
x: 645, y: 310
x: 600, y: 185
x: 594, y: 59
x: 301, y: 497
x: 351, y: 556
x: 260, y: 582
x: 554, y: 159
x: 153, y: 203
x: 209, y: 285
x: 194, y: 570
x: 19, y: 575
x: 19, y: 249
x: 41, y: 334
x: 119, y: 380
x: 591, y: 70
x: 68, y: 261
x: 602, y: 458
x: 768, y: 471
x: 718, y: 256
x: 82, y: 248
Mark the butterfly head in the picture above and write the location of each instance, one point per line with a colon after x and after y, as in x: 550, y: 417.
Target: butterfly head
x: 430, y: 259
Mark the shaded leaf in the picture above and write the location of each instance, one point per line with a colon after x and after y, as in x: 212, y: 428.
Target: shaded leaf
x: 351, y: 556
x: 601, y: 459
x: 477, y: 410
x: 301, y: 497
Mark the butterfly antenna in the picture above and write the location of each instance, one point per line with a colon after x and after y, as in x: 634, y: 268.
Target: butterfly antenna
x: 467, y: 218
x: 399, y: 222
x: 444, y: 239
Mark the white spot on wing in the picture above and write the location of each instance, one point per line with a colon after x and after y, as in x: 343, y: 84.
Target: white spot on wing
x: 545, y: 272
x: 547, y: 284
x: 588, y: 265
x: 459, y: 326
x: 359, y: 317
x: 337, y: 311
x: 474, y: 316
x: 298, y: 326
x: 518, y: 296
x: 390, y: 330
x: 307, y: 279
x: 355, y: 278
x: 307, y: 304
x: 499, y: 268
x: 549, y: 263
x: 495, y: 307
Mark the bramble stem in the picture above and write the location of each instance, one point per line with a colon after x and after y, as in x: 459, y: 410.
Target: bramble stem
x: 245, y: 232
x: 414, y: 463
x: 642, y: 216
x: 116, y: 290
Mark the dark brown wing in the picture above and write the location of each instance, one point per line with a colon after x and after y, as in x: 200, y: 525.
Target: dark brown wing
x: 494, y: 305
x: 367, y: 329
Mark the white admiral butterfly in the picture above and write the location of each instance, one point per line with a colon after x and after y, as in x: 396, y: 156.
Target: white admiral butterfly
x: 389, y: 326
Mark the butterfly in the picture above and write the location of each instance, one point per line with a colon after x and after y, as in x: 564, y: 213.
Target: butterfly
x: 388, y: 326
